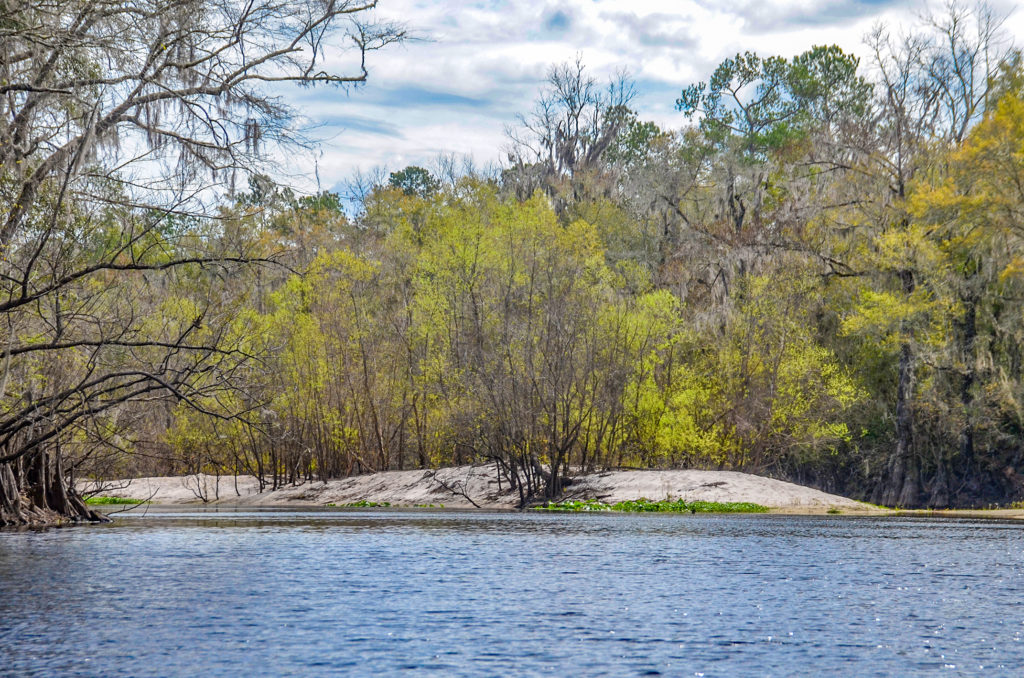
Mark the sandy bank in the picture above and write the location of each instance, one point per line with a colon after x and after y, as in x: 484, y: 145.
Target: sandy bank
x: 469, y: 487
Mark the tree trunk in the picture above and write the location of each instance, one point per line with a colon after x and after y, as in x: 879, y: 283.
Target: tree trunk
x: 902, y: 481
x: 969, y: 341
x: 34, y: 491
x: 910, y: 493
x: 901, y: 487
x: 939, y: 494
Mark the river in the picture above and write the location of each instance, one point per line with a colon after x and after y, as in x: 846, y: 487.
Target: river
x: 284, y: 592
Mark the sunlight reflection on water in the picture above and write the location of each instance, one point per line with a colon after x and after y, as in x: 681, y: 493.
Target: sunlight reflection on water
x: 281, y: 592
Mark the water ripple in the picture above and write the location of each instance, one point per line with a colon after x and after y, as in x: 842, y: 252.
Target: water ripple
x: 385, y: 593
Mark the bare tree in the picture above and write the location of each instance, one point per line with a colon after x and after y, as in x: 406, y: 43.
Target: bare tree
x: 120, y: 124
x: 573, y: 123
x: 90, y: 86
x: 966, y: 47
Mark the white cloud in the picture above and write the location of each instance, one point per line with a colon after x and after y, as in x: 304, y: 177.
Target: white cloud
x: 479, y: 63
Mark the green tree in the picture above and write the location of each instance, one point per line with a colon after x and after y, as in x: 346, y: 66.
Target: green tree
x: 414, y: 180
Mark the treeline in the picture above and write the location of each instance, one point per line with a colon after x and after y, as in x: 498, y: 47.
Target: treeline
x: 466, y: 326
x: 818, y: 278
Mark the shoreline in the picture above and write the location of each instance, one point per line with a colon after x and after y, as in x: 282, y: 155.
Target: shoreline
x: 478, y: 488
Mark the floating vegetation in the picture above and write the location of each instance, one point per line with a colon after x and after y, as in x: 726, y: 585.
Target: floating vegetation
x: 104, y: 501
x: 648, y: 506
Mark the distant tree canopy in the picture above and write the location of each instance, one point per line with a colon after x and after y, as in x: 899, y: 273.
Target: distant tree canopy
x: 767, y: 104
x: 414, y: 181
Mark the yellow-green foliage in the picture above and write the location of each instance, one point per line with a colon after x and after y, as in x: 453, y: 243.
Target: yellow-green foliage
x: 974, y: 200
x: 488, y: 326
x: 761, y: 389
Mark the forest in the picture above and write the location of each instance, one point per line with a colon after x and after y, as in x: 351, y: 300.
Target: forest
x: 817, y: 276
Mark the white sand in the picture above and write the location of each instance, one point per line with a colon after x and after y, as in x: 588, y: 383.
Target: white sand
x: 719, y: 486
x: 467, y: 486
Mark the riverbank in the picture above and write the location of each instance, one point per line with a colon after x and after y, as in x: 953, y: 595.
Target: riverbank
x: 479, y: 487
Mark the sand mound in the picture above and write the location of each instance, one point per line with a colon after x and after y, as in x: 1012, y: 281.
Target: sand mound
x: 719, y: 486
x: 469, y: 487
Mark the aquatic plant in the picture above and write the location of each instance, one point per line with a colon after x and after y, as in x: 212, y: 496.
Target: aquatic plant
x: 571, y: 505
x: 102, y: 501
x: 644, y: 505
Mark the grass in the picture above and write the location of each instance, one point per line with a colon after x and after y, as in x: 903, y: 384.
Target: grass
x: 105, y: 501
x: 648, y: 506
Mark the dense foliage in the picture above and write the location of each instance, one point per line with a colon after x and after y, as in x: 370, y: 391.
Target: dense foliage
x: 819, y: 278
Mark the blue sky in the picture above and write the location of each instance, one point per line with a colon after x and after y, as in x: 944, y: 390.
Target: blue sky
x: 476, y: 64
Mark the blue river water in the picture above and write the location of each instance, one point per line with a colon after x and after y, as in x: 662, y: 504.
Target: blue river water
x: 306, y: 593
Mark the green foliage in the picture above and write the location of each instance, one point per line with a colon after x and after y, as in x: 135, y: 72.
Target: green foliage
x: 574, y: 506
x: 771, y: 103
x: 821, y: 279
x: 414, y: 181
x: 106, y: 501
x: 649, y: 506
x: 762, y: 392
x: 635, y: 141
x: 767, y: 291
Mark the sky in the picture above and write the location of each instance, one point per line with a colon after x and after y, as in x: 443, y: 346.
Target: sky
x: 473, y: 65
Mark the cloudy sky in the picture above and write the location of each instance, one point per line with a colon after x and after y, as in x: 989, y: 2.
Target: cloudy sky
x: 478, y: 63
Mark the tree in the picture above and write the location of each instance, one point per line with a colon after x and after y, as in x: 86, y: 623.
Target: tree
x: 972, y: 202
x: 762, y: 396
x: 932, y: 85
x: 559, y: 146
x: 757, y: 112
x: 120, y: 120
x: 812, y: 156
x: 414, y: 180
